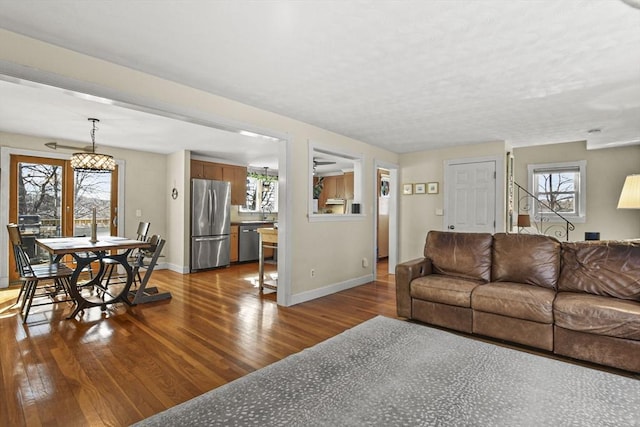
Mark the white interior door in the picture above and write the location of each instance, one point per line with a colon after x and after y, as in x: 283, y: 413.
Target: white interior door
x: 471, y: 196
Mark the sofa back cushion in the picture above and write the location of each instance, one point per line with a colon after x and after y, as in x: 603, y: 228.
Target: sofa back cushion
x: 606, y: 268
x: 466, y: 255
x: 526, y: 258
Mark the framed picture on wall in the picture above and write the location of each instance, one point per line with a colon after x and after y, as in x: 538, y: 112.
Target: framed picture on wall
x: 432, y: 187
x: 407, y: 189
x: 420, y: 188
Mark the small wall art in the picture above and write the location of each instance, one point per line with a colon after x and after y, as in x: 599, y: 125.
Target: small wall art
x: 420, y: 188
x: 407, y: 189
x: 432, y: 188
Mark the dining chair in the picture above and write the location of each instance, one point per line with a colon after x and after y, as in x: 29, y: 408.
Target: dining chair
x: 147, y: 260
x: 141, y: 234
x: 46, y: 281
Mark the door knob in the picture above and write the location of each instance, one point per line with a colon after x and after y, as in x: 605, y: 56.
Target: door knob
x: 452, y: 227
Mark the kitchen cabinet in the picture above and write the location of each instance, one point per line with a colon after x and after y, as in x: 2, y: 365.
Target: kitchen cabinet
x: 334, y: 188
x: 348, y: 186
x: 233, y: 255
x: 206, y: 170
x: 236, y: 175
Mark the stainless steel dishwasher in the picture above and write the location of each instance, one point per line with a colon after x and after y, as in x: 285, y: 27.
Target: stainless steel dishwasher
x: 248, y: 242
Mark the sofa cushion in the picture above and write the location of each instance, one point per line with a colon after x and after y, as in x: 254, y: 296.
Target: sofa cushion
x: 515, y: 300
x: 526, y: 258
x: 444, y: 289
x: 601, y: 268
x: 466, y: 255
x: 598, y: 315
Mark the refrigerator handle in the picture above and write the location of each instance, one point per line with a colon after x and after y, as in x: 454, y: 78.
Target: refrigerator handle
x: 215, y: 207
x: 209, y: 208
x: 210, y: 239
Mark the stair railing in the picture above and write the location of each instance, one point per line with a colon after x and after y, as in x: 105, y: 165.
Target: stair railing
x: 542, y: 222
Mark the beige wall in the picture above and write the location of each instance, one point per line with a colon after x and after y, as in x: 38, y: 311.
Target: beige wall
x: 312, y: 245
x: 606, y: 171
x: 418, y: 212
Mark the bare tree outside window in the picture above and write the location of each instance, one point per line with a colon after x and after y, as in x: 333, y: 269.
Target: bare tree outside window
x: 91, y: 190
x: 39, y: 190
x: 557, y: 189
x: 40, y: 193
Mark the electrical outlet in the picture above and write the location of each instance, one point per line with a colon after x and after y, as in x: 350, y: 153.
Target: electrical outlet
x: 312, y: 273
x: 138, y: 213
x: 365, y: 263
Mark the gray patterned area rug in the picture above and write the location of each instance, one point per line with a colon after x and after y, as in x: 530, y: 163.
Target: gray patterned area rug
x: 389, y: 372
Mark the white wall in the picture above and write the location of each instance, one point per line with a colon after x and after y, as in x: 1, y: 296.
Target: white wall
x: 177, y: 212
x: 334, y: 250
x: 606, y: 171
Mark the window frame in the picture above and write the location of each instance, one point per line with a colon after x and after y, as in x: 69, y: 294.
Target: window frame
x: 579, y: 167
x: 357, y: 159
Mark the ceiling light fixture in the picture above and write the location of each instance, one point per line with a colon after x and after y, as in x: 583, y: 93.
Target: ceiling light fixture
x: 93, y: 162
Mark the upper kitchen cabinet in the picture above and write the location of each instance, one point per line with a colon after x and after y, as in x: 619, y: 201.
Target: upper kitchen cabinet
x: 206, y: 170
x: 236, y: 175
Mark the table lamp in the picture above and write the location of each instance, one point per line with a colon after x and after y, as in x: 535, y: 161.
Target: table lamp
x: 524, y: 220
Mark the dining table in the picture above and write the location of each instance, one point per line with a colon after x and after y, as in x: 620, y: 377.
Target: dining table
x: 93, y: 293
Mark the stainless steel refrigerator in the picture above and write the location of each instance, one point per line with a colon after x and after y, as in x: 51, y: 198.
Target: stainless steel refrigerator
x: 210, y: 223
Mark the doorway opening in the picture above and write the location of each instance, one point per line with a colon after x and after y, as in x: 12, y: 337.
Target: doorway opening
x: 386, y: 216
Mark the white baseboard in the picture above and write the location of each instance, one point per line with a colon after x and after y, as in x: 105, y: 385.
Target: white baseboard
x: 182, y: 269
x: 331, y: 289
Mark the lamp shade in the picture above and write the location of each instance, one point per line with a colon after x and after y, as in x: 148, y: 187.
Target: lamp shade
x: 92, y: 162
x: 524, y: 221
x: 630, y: 195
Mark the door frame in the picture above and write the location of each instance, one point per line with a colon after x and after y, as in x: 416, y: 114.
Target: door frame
x: 394, y: 200
x: 500, y: 190
x: 5, y: 163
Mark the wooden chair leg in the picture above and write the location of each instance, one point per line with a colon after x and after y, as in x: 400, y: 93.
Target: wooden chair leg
x: 33, y: 285
x: 20, y: 294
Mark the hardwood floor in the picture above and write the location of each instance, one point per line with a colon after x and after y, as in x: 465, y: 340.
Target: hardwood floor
x: 123, y: 365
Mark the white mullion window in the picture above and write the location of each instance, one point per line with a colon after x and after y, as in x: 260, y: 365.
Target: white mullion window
x: 560, y: 187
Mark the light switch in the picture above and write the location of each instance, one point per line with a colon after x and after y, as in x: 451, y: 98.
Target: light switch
x: 439, y: 212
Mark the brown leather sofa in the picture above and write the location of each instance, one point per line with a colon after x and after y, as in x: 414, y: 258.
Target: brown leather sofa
x: 579, y: 299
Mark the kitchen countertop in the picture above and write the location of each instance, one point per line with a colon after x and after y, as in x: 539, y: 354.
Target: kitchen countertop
x: 253, y: 222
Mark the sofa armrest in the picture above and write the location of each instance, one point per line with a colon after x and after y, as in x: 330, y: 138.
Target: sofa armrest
x: 405, y: 273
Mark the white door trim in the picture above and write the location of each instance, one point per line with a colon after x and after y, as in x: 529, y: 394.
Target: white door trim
x: 393, y: 214
x: 499, y: 190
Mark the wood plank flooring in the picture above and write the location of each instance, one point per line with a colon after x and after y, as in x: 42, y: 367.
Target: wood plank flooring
x: 123, y: 365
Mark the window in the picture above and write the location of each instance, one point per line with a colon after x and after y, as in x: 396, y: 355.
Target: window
x: 262, y: 192
x: 560, y: 187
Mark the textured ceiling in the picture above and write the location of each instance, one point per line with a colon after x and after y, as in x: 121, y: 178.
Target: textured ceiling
x: 403, y: 75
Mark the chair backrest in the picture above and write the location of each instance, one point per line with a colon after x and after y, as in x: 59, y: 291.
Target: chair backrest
x: 143, y: 230
x: 152, y: 252
x: 23, y: 263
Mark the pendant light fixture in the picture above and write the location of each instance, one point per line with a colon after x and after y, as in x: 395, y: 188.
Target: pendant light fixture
x: 93, y: 162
